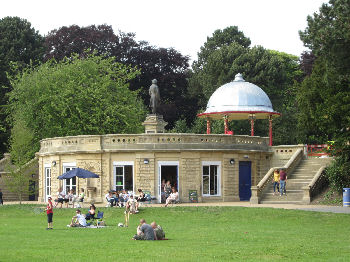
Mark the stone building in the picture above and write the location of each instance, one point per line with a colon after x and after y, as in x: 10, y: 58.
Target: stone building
x: 220, y: 167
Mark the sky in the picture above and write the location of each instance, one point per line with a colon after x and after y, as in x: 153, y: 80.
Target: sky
x: 181, y: 24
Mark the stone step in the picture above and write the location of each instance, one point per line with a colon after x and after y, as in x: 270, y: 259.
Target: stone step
x: 281, y: 202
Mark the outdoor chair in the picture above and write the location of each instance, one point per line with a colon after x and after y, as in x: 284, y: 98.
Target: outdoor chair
x: 148, y: 197
x: 97, y: 219
x: 175, y: 201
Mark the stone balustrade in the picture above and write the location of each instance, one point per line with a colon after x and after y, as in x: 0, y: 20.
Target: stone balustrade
x: 168, y: 141
x: 314, y: 186
x: 291, y: 164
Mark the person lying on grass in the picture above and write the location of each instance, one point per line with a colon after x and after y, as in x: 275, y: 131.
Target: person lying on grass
x: 78, y: 220
x: 144, y: 231
x: 158, y: 231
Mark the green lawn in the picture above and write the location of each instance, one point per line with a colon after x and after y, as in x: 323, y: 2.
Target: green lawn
x: 195, y: 233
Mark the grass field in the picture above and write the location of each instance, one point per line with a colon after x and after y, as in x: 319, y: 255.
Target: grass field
x: 195, y: 234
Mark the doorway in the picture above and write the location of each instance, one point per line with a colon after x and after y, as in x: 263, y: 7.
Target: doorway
x: 32, y: 190
x: 167, y: 171
x: 245, y: 180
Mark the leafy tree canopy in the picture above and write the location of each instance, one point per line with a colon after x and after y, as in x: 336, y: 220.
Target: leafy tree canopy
x: 328, y: 34
x: 167, y: 65
x: 74, y: 97
x: 273, y: 71
x: 21, y: 43
x: 324, y: 96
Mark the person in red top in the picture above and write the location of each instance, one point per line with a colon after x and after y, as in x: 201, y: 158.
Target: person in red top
x: 49, y: 213
x: 283, y: 180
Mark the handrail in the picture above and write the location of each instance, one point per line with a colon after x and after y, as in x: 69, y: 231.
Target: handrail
x: 290, y: 165
x: 316, y: 177
x: 310, y: 188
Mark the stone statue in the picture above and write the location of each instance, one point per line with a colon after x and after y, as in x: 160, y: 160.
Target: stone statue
x: 155, y: 97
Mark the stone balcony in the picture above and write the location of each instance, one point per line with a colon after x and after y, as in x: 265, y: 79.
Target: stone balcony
x: 151, y: 142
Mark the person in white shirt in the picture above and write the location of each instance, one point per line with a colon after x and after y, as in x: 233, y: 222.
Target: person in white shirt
x: 60, y: 197
x: 174, y: 196
x: 78, y: 220
x: 110, y: 199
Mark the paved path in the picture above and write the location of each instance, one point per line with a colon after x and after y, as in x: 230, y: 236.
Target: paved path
x: 317, y: 208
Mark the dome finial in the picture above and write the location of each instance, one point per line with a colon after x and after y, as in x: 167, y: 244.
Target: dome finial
x: 239, y: 78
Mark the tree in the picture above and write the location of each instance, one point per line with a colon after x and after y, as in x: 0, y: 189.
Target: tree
x: 166, y: 65
x: 273, y: 71
x: 20, y: 167
x: 19, y: 42
x: 307, y: 61
x: 328, y: 34
x: 325, y: 94
x: 73, y: 97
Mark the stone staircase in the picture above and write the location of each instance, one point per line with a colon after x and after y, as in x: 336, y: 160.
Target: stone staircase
x: 300, y: 177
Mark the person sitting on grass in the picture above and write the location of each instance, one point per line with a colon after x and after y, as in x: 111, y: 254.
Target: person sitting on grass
x: 174, y: 196
x: 91, y: 213
x: 158, y: 231
x: 144, y: 231
x: 78, y: 220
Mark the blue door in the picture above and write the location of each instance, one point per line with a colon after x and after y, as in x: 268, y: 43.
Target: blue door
x: 245, y: 180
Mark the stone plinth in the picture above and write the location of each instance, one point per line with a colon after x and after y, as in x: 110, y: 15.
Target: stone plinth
x: 154, y: 124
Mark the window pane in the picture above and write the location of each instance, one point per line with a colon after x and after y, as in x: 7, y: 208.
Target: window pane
x: 205, y: 170
x: 205, y: 185
x: 213, y: 180
x: 119, y: 180
x: 119, y: 170
x: 128, y: 178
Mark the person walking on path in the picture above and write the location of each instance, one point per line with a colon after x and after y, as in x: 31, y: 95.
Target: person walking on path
x: 49, y: 213
x: 283, y: 180
x: 276, y: 181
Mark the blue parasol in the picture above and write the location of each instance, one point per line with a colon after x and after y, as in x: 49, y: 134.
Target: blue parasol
x: 78, y: 172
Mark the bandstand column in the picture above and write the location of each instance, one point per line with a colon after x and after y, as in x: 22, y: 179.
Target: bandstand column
x: 270, y: 130
x: 252, y: 119
x: 208, y: 126
x: 226, y: 124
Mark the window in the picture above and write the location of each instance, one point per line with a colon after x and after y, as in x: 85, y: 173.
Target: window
x: 211, y: 178
x: 123, y: 176
x: 71, y: 183
x: 47, y: 182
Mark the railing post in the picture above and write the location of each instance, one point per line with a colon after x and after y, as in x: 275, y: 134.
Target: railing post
x: 255, y: 198
x: 306, y: 195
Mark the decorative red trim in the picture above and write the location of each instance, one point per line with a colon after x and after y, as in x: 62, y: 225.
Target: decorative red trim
x: 241, y: 112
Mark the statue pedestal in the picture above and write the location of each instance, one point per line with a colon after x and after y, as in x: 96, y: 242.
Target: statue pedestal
x: 154, y: 124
